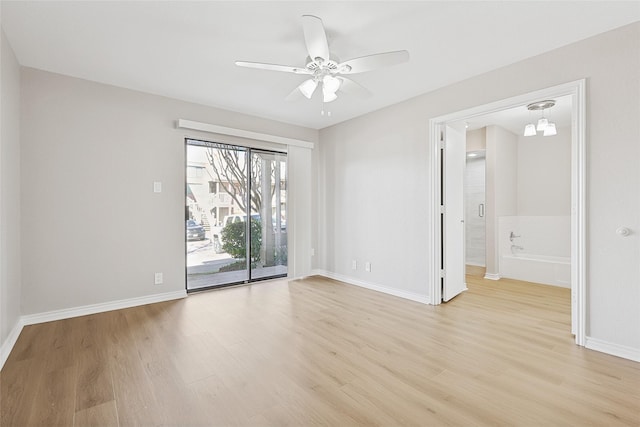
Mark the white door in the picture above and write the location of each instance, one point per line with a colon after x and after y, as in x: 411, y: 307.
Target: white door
x: 453, y: 199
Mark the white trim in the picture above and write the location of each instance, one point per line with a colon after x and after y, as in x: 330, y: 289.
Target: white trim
x: 492, y: 276
x: 10, y: 341
x: 576, y: 89
x: 474, y: 264
x: 578, y: 213
x: 84, y: 310
x: 613, y: 349
x: 223, y: 130
x: 435, y: 288
x: 424, y: 299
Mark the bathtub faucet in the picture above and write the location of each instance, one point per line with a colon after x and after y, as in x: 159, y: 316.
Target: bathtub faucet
x: 515, y: 248
x: 513, y: 236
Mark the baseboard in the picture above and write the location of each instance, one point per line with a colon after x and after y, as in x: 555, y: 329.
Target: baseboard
x: 612, y: 349
x: 84, y: 310
x: 10, y: 341
x: 492, y: 276
x: 474, y: 264
x: 390, y: 291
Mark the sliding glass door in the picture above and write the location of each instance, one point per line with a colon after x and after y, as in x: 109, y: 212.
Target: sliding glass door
x: 236, y: 228
x: 269, y: 201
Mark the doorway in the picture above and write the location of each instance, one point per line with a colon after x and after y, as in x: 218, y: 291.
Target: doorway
x: 447, y: 260
x: 236, y: 214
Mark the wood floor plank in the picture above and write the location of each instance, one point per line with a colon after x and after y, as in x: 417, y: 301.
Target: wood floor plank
x: 102, y: 415
x: 319, y: 352
x: 53, y: 403
x: 18, y: 387
x: 94, y: 385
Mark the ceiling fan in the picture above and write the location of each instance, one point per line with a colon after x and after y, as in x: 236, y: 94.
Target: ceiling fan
x: 328, y: 72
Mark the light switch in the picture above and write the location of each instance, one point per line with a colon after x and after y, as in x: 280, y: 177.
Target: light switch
x: 157, y: 187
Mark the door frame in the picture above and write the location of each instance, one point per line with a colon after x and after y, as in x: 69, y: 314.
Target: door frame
x: 576, y: 89
x: 249, y: 150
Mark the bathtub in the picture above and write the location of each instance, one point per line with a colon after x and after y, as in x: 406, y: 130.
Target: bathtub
x: 545, y: 269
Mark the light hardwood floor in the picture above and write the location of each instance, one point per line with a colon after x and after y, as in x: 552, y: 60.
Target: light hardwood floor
x: 319, y: 352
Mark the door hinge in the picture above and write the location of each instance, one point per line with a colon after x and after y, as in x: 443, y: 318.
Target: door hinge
x: 441, y: 144
x: 443, y: 274
x: 442, y: 210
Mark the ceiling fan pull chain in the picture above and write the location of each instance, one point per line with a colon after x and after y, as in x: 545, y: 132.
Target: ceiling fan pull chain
x: 322, y: 112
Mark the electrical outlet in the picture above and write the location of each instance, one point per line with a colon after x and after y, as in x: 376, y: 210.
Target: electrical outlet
x: 354, y: 265
x: 158, y: 279
x: 367, y: 266
x: 157, y: 187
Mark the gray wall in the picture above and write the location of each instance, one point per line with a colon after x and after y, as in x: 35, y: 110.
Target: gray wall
x: 373, y: 186
x: 93, y: 230
x: 9, y: 190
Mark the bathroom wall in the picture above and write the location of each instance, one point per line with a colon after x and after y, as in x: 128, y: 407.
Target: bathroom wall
x: 546, y: 254
x: 477, y: 139
x: 544, y: 174
x: 501, y: 188
x: 543, y: 223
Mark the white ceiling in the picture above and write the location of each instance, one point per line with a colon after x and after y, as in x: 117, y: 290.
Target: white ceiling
x: 186, y: 50
x: 515, y: 119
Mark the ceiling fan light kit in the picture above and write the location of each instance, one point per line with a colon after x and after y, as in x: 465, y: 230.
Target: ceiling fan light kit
x: 308, y: 87
x: 325, y: 71
x: 544, y: 125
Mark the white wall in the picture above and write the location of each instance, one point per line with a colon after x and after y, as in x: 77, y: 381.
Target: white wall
x: 501, y: 188
x: 372, y: 200
x: 371, y: 165
x: 10, y: 280
x: 93, y: 230
x: 503, y: 145
x: 476, y: 139
x: 544, y: 174
x: 299, y: 211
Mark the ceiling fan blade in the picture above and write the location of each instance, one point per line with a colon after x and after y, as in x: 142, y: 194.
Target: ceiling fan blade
x: 273, y: 67
x: 352, y: 88
x: 306, y: 89
x: 372, y: 62
x: 315, y: 37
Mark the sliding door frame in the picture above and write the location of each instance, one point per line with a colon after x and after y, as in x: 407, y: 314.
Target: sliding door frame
x: 248, y: 152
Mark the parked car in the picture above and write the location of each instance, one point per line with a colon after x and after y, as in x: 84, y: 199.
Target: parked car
x: 239, y: 218
x: 195, y: 231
